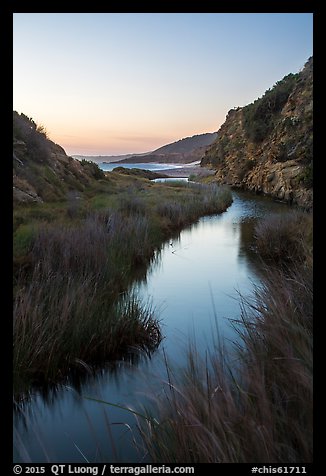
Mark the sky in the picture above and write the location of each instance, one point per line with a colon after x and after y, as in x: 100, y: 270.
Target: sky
x: 119, y: 83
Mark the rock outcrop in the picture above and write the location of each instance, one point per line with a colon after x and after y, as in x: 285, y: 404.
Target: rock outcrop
x: 266, y: 146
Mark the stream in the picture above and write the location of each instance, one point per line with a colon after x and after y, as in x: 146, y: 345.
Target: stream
x: 193, y: 283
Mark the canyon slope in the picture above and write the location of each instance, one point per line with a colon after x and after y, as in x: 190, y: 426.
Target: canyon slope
x: 42, y: 171
x: 267, y: 146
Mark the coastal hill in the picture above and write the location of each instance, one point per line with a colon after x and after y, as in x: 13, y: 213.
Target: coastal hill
x: 42, y: 170
x: 187, y: 150
x: 267, y: 146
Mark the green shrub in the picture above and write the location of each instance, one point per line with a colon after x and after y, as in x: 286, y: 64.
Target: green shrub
x: 35, y: 137
x: 23, y: 239
x: 260, y: 117
x: 93, y: 169
x: 307, y: 176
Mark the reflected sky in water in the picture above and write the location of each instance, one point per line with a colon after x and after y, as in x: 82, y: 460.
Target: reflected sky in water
x: 195, y: 279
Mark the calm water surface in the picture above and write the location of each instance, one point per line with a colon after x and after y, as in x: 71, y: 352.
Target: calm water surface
x: 194, y: 280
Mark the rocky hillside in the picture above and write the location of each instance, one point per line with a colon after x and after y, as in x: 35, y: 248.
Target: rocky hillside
x: 41, y: 169
x: 183, y: 151
x: 267, y: 146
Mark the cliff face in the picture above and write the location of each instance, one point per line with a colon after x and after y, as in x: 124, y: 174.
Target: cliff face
x: 41, y: 169
x: 266, y: 146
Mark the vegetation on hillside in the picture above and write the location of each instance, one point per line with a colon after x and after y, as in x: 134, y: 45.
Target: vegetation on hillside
x: 35, y: 137
x: 41, y: 169
x: 261, y: 116
x: 267, y: 146
x: 78, y: 249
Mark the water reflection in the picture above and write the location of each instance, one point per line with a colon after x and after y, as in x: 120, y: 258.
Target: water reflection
x: 193, y: 281
x: 254, y: 209
x: 80, y: 379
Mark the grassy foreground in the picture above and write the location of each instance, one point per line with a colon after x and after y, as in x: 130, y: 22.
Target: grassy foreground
x: 257, y: 407
x: 74, y: 260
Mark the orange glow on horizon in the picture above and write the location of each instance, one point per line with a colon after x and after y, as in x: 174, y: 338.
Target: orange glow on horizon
x: 113, y: 84
x: 78, y: 145
x: 100, y: 143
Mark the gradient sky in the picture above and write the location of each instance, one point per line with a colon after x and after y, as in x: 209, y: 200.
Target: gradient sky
x: 117, y: 83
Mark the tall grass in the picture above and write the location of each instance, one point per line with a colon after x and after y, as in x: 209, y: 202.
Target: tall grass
x: 67, y: 309
x: 199, y: 201
x: 71, y: 302
x: 257, y: 408
x: 285, y: 238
